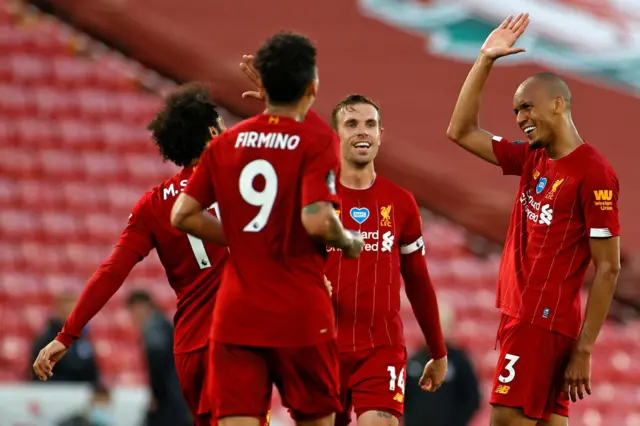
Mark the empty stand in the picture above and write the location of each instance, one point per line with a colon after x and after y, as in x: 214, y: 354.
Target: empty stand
x: 76, y: 157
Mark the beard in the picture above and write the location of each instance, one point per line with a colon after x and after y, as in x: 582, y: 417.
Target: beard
x: 537, y: 144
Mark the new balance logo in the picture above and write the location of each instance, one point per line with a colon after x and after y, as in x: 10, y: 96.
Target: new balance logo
x: 546, y: 215
x: 387, y: 241
x: 603, y: 194
x: 503, y: 389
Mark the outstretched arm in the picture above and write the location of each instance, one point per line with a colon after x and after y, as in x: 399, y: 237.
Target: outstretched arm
x: 464, y: 128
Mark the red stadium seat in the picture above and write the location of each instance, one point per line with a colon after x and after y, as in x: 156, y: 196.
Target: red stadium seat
x: 74, y: 136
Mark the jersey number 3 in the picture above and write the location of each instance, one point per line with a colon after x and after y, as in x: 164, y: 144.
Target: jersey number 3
x: 263, y: 199
x: 511, y: 361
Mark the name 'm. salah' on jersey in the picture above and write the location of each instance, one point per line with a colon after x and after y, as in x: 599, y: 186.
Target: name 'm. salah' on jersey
x: 193, y: 268
x: 262, y: 172
x: 560, y: 205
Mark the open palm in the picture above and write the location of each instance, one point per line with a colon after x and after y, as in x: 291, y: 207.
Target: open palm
x: 500, y: 42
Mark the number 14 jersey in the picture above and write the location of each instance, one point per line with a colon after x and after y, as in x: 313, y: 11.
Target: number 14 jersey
x: 262, y: 172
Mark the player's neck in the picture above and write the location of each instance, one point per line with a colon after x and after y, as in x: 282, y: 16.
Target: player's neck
x: 295, y: 112
x: 357, y: 177
x: 565, y: 143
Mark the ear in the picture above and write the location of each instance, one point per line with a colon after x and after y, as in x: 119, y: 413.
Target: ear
x: 559, y: 105
x: 312, y: 88
x: 381, y: 134
x: 213, y: 131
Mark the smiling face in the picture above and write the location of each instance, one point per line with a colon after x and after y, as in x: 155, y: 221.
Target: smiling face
x: 358, y: 127
x: 539, y: 112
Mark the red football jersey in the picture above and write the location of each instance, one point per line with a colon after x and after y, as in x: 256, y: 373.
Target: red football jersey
x: 262, y: 172
x: 194, y: 267
x: 366, y: 290
x: 560, y: 205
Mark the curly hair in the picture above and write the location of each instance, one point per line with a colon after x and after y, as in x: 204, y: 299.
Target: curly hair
x: 181, y: 127
x: 287, y: 65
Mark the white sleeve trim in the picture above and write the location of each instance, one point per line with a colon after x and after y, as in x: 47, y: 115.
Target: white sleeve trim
x: 413, y: 247
x: 497, y: 138
x: 600, y: 233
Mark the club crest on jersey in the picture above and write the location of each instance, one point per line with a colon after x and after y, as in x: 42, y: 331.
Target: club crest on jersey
x: 385, y: 212
x: 359, y: 214
x: 554, y: 188
x: 542, y: 183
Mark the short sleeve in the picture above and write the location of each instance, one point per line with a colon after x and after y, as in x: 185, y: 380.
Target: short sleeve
x: 511, y: 155
x: 137, y: 235
x: 411, y: 240
x: 321, y: 170
x: 200, y: 185
x: 599, y: 199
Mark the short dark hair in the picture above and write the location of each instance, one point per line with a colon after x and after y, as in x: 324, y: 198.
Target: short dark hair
x: 349, y: 102
x: 287, y: 65
x: 137, y: 297
x: 555, y: 84
x: 181, y: 127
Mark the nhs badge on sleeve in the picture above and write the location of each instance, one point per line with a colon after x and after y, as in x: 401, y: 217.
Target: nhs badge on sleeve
x: 359, y: 214
x: 542, y: 183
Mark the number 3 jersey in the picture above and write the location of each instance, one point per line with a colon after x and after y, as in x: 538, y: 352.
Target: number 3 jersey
x: 366, y: 290
x: 560, y: 206
x: 193, y: 268
x: 262, y: 172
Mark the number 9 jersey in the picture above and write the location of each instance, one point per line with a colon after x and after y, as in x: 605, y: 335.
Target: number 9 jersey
x: 262, y: 172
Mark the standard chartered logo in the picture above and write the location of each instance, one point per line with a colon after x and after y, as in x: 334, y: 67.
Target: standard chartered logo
x: 372, y: 241
x: 546, y: 215
x: 387, y: 241
x: 534, y: 211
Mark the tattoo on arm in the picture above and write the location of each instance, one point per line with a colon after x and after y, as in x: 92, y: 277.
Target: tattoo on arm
x: 384, y: 415
x: 311, y: 208
x: 336, y: 236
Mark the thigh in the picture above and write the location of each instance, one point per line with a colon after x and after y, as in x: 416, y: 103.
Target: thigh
x: 192, y: 374
x: 378, y: 382
x: 349, y: 361
x: 530, y: 369
x: 240, y: 382
x: 308, y: 380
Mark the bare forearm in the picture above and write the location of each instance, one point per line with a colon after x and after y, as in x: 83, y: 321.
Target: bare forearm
x: 336, y: 235
x: 202, y: 225
x: 467, y: 109
x: 321, y: 222
x: 600, y: 297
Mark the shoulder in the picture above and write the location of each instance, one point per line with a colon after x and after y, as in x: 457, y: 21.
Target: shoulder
x: 145, y: 200
x: 594, y: 170
x: 318, y: 127
x: 597, y: 161
x: 399, y: 194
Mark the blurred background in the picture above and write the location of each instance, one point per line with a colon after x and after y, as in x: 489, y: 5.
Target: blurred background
x: 79, y: 81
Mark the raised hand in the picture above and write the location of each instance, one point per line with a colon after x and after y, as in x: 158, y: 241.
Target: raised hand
x: 500, y: 42
x: 250, y: 71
